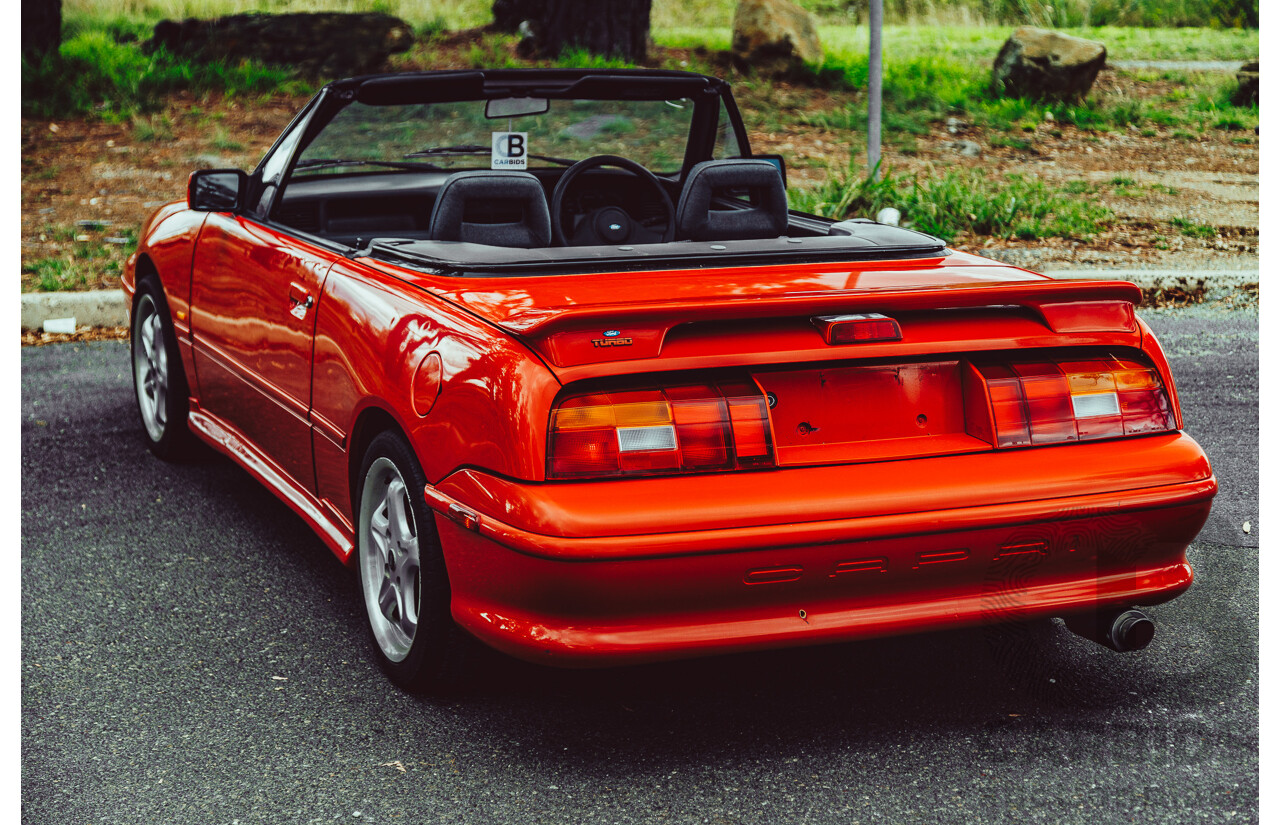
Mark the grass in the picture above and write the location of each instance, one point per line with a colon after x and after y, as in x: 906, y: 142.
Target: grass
x: 931, y: 70
x: 450, y: 14
x: 959, y: 202
x: 80, y: 259
x: 117, y: 81
x: 61, y: 274
x: 668, y: 14
x: 1194, y: 229
x: 1005, y: 142
x: 938, y: 80
x: 153, y: 128
x: 221, y: 139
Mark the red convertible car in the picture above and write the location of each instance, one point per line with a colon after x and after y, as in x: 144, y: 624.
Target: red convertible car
x: 545, y: 357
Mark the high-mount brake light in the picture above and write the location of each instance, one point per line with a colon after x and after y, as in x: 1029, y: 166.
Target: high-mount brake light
x: 672, y: 428
x: 857, y: 329
x: 1050, y: 402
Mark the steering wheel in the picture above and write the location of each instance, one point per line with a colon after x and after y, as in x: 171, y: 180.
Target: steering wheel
x: 610, y: 224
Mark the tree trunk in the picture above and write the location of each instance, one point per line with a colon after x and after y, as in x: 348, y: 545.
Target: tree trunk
x: 609, y: 28
x: 41, y: 27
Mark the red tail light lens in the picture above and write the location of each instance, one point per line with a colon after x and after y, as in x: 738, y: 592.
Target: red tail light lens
x: 855, y: 329
x: 676, y: 428
x: 1051, y: 402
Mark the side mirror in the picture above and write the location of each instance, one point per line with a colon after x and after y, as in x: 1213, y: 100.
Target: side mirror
x: 777, y: 161
x: 216, y: 190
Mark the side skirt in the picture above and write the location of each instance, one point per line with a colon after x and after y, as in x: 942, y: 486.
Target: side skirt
x: 336, y: 534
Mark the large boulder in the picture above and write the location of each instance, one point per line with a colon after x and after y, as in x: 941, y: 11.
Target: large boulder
x: 775, y: 36
x: 1247, y: 92
x: 1041, y: 64
x: 331, y: 44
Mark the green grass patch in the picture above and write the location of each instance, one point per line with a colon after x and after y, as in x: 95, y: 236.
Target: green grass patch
x: 222, y: 140
x: 92, y: 74
x: 1006, y: 142
x: 153, y: 128
x: 967, y: 201
x: 60, y: 274
x: 1194, y: 229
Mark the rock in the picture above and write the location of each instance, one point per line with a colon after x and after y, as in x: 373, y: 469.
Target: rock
x: 775, y: 36
x: 530, y: 39
x: 955, y: 125
x: 509, y: 14
x: 324, y: 43
x: 965, y: 147
x: 1247, y: 77
x: 1039, y: 63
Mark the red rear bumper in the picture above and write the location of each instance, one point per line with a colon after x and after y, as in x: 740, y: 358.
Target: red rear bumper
x: 596, y: 573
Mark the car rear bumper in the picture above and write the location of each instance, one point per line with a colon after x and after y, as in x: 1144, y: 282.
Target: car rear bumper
x: 917, y: 548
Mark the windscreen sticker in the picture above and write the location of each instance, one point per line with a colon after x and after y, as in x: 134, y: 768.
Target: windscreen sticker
x: 510, y: 150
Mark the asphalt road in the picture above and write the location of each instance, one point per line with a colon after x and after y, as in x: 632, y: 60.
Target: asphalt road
x: 192, y: 654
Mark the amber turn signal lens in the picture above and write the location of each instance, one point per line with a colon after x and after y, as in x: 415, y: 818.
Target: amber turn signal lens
x: 672, y: 428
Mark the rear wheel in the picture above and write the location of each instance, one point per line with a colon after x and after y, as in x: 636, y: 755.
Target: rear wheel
x: 158, y: 378
x: 402, y: 574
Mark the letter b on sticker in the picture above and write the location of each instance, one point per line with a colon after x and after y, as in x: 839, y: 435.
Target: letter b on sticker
x: 510, y: 150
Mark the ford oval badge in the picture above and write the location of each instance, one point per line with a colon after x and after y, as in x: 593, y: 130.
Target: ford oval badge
x: 612, y: 333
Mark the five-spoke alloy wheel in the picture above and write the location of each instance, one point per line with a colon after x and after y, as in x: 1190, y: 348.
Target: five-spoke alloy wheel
x: 402, y: 572
x: 157, y: 374
x: 390, y: 567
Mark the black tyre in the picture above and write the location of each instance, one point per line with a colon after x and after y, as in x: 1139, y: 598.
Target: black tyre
x: 158, y: 378
x: 403, y: 580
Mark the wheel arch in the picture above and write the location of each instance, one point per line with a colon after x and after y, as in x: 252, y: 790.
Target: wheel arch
x: 144, y: 269
x: 371, y: 422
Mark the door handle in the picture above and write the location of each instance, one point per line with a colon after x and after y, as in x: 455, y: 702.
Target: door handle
x: 298, y: 296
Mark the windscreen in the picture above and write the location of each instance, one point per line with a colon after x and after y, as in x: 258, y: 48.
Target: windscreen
x: 457, y: 135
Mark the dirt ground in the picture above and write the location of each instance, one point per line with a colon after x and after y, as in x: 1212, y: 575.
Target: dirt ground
x: 88, y: 185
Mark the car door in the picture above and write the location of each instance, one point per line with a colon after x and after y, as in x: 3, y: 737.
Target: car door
x: 253, y: 309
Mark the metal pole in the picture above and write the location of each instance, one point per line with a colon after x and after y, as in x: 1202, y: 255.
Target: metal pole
x: 875, y: 78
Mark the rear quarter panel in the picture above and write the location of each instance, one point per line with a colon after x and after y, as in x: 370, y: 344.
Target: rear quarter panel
x: 373, y: 333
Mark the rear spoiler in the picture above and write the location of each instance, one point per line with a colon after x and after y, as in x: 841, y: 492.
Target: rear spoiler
x: 1065, y: 306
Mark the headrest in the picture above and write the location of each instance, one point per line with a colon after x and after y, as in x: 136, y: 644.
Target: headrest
x: 497, y: 208
x: 765, y: 217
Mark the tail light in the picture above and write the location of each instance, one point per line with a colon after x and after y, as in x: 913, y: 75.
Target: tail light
x: 1050, y: 402
x: 675, y: 428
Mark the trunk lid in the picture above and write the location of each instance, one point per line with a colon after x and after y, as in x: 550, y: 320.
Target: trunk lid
x: 828, y: 403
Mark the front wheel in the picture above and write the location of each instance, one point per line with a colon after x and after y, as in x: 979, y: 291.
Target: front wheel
x: 158, y: 378
x: 402, y: 573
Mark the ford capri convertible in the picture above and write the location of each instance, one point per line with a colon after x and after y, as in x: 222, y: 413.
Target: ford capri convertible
x: 545, y: 357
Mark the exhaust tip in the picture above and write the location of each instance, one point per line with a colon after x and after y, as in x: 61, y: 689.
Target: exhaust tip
x: 1123, y: 631
x: 1131, y: 630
